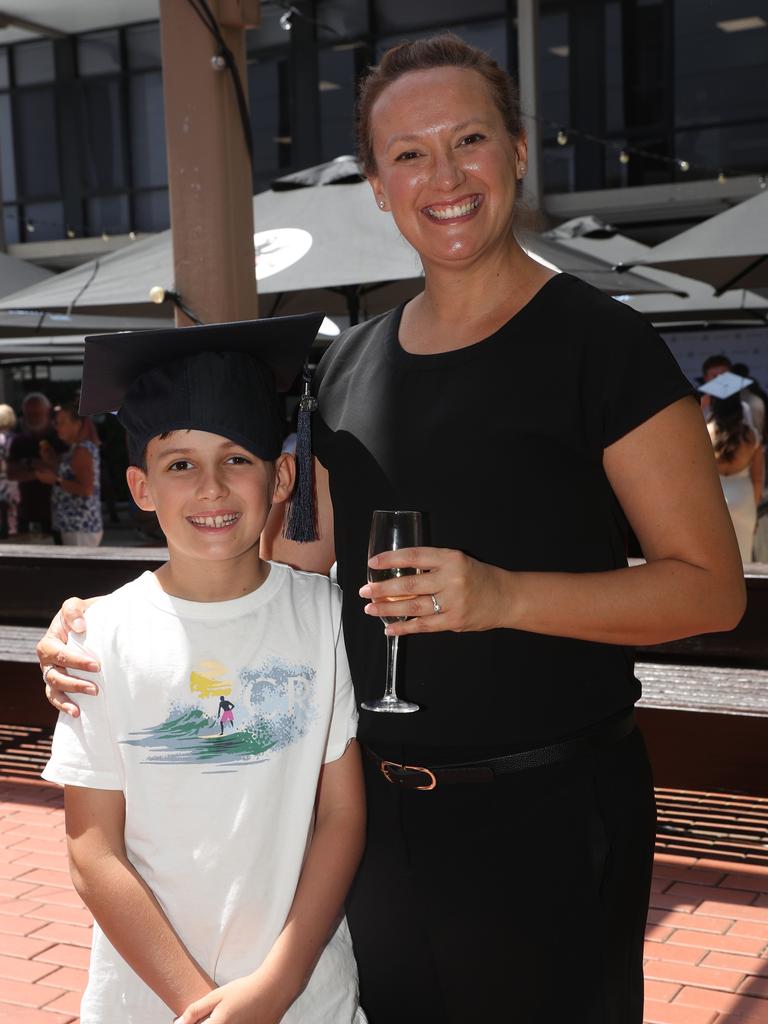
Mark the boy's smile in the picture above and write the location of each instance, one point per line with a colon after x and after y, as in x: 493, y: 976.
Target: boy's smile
x: 212, y: 498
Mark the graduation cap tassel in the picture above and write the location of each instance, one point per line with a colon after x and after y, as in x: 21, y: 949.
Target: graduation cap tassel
x: 301, y: 514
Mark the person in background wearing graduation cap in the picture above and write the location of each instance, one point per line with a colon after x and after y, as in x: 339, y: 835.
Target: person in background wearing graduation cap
x: 215, y: 864
x: 532, y: 861
x: 738, y: 455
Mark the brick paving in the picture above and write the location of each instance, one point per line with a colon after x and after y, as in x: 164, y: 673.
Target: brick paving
x: 705, y: 950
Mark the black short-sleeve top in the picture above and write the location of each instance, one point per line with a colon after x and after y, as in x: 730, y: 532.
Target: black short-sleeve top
x: 500, y: 445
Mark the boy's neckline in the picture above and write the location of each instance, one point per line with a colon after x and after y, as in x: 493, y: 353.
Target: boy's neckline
x: 179, y: 590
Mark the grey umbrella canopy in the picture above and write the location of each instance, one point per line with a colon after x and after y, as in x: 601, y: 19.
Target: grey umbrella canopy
x: 16, y: 274
x: 729, y: 250
x: 318, y: 246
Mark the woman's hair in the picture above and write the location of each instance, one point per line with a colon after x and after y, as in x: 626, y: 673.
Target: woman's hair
x: 7, y: 418
x: 88, y: 430
x: 441, y: 51
x: 731, y: 429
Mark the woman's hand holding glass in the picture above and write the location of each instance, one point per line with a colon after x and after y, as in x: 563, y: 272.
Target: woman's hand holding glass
x: 470, y: 595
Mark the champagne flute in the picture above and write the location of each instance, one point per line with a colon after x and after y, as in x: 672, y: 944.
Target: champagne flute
x: 389, y: 531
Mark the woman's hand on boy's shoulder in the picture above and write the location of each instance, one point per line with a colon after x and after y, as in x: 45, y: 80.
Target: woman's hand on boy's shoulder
x: 56, y: 657
x: 251, y: 1000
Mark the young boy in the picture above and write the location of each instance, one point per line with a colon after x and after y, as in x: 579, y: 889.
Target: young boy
x: 214, y: 861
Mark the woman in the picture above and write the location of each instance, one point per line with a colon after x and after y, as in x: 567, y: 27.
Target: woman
x: 76, y: 495
x: 741, y: 465
x: 9, y: 489
x: 476, y: 892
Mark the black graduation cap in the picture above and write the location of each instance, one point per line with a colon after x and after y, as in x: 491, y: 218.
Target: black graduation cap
x: 222, y: 378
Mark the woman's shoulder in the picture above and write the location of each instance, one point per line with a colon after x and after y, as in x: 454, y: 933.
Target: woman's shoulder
x: 353, y: 343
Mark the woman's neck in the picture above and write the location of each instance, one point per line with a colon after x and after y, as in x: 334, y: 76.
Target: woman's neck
x: 468, y: 303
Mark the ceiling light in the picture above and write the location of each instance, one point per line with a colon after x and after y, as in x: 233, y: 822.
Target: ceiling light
x: 741, y: 24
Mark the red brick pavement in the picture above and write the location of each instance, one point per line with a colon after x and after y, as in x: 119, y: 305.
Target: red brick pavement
x: 705, y: 950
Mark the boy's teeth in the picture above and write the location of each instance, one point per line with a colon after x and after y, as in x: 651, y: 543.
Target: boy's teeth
x: 213, y: 522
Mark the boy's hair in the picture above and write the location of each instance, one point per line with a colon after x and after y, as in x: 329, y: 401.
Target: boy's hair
x: 711, y: 361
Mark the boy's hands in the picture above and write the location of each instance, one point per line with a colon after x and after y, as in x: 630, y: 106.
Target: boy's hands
x: 251, y: 1000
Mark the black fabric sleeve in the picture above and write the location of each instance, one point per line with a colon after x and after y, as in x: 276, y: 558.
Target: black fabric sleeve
x: 638, y: 375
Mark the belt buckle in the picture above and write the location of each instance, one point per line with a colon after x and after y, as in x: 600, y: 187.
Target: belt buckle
x: 386, y: 766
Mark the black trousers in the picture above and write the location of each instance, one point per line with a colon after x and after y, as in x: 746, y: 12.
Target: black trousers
x: 521, y: 901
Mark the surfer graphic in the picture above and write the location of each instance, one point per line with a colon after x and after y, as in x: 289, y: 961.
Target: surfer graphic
x: 224, y: 714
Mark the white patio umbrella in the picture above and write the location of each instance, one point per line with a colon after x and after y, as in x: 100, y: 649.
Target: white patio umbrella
x: 698, y: 302
x: 727, y: 251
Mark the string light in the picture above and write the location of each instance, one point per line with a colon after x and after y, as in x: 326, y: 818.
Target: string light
x: 721, y: 178
x: 30, y: 227
x: 683, y: 165
x: 623, y: 157
x: 562, y: 138
x: 71, y: 233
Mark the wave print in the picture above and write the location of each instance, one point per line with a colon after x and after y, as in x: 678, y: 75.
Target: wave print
x: 275, y: 707
x: 189, y: 736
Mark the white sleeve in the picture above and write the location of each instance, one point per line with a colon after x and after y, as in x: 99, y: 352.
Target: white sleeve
x: 83, y: 753
x: 343, y: 726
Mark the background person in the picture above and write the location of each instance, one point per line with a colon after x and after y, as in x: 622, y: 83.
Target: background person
x: 472, y: 895
x: 76, y: 496
x: 26, y: 456
x: 9, y: 489
x: 738, y: 455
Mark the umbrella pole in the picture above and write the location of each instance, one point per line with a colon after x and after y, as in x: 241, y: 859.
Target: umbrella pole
x: 353, y: 304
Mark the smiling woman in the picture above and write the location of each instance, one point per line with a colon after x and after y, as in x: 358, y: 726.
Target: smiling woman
x: 531, y: 853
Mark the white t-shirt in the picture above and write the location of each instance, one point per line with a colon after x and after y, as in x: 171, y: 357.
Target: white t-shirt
x: 219, y: 810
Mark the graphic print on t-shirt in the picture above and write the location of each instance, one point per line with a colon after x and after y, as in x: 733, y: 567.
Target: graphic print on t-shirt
x: 275, y: 704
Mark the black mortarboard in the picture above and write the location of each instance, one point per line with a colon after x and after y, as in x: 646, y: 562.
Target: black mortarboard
x: 222, y: 378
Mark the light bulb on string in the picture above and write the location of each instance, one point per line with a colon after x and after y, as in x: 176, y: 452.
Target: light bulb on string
x: 721, y: 178
x: 71, y: 233
x: 105, y: 236
x: 30, y: 227
x: 683, y: 165
x: 763, y: 181
x: 562, y: 138
x: 623, y: 157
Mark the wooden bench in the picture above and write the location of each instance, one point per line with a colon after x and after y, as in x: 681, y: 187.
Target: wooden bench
x: 35, y: 579
x: 22, y: 699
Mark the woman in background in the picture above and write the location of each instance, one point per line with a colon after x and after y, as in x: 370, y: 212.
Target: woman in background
x: 76, y: 495
x: 740, y: 463
x: 9, y: 489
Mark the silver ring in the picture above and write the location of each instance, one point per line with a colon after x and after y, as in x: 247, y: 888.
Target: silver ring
x: 436, y: 605
x: 46, y: 670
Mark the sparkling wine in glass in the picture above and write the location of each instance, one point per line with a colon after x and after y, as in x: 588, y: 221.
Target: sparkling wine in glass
x: 391, y: 530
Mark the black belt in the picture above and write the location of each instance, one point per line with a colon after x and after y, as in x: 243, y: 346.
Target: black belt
x: 413, y: 776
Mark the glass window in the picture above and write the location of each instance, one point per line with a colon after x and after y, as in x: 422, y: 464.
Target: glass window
x: 151, y: 211
x: 398, y: 16
x: 7, y: 166
x: 270, y: 129
x: 554, y: 71
x: 614, y: 69
x: 98, y: 53
x: 719, y: 75
x: 143, y: 46
x: 338, y: 20
x: 43, y: 221
x: 110, y: 214
x: 5, y: 77
x: 739, y: 148
x: 11, y: 224
x: 103, y: 156
x: 148, y: 155
x: 490, y: 36
x: 33, y: 62
x: 337, y: 102
x: 36, y: 146
x: 270, y: 34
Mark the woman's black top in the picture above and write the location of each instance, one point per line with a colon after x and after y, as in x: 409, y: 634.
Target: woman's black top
x: 500, y: 445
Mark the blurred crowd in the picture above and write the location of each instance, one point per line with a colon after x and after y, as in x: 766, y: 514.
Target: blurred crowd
x: 50, y: 474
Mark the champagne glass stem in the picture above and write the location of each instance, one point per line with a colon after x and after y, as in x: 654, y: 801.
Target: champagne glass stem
x: 389, y: 692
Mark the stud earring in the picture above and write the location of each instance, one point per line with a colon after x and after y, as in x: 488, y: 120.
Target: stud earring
x: 381, y: 204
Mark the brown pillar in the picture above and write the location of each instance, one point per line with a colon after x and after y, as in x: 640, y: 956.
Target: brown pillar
x: 209, y: 168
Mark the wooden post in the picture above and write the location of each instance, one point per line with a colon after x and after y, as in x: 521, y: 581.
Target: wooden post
x: 209, y: 167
